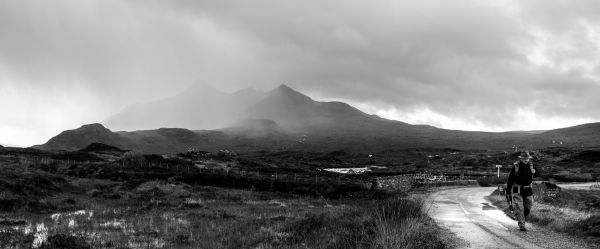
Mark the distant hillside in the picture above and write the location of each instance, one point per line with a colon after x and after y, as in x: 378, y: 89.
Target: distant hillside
x: 252, y: 135
x: 528, y: 132
x: 164, y: 140
x: 254, y: 128
x: 83, y: 136
x: 581, y: 135
x: 100, y: 147
x: 284, y: 119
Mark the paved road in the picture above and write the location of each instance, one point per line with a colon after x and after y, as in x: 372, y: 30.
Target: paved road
x: 585, y: 186
x: 465, y: 212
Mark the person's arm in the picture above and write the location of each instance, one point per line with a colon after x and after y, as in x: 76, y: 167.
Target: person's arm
x: 537, y: 171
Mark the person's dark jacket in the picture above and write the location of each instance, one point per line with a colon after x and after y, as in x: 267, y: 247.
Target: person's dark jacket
x: 522, y: 176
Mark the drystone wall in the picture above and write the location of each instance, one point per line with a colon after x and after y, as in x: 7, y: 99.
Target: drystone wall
x: 399, y: 182
x: 447, y: 183
x: 407, y: 182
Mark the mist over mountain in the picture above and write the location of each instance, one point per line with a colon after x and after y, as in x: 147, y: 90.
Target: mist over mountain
x: 203, y: 107
x: 284, y: 119
x: 254, y: 128
x: 198, y: 107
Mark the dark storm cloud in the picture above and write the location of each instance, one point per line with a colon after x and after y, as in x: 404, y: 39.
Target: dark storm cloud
x: 463, y: 62
x: 465, y: 59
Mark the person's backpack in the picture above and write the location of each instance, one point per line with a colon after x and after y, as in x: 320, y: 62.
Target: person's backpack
x: 526, y: 172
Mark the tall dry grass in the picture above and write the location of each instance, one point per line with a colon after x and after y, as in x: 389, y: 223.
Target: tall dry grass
x: 403, y: 223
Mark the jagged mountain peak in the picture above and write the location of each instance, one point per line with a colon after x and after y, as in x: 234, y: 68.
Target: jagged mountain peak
x: 284, y: 87
x: 284, y: 91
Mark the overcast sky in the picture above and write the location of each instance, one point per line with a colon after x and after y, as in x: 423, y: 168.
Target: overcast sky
x: 471, y: 65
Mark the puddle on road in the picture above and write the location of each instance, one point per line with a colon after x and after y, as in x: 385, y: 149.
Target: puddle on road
x: 447, y: 202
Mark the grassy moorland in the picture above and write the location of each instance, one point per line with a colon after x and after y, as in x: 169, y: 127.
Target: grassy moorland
x: 103, y: 197
x: 53, y: 204
x: 576, y: 212
x: 223, y: 218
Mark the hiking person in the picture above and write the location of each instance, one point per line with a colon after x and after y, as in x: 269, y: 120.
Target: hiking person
x: 519, y: 187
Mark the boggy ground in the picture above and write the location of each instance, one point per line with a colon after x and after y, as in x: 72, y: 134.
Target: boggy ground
x: 41, y: 209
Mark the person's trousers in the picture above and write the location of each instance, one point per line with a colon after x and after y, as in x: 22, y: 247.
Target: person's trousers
x: 523, y: 206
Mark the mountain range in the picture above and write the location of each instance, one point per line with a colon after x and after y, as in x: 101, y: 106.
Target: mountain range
x: 285, y: 119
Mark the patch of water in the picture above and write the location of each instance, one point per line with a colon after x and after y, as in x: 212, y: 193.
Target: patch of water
x: 56, y: 216
x: 277, y: 203
x: 72, y: 223
x: 28, y: 229
x: 41, y: 235
x: 114, y: 224
x: 154, y: 243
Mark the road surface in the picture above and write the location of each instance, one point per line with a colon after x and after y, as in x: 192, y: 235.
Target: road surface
x: 465, y: 212
x: 585, y: 186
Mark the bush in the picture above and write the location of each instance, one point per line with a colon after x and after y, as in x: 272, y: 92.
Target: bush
x: 491, y: 181
x: 133, y: 157
x: 62, y: 241
x: 326, y: 230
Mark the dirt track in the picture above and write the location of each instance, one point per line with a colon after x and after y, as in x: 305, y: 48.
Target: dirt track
x: 465, y: 212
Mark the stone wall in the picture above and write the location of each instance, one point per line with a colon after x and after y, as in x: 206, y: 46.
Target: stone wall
x: 400, y: 182
x: 407, y: 182
x: 448, y: 183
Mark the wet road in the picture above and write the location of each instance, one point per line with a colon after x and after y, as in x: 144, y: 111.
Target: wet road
x: 585, y: 186
x: 465, y: 212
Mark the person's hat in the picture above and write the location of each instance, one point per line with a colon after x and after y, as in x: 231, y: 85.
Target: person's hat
x: 525, y: 154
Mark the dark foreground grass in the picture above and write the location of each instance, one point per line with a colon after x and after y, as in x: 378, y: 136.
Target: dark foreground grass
x: 78, y: 211
x: 209, y: 217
